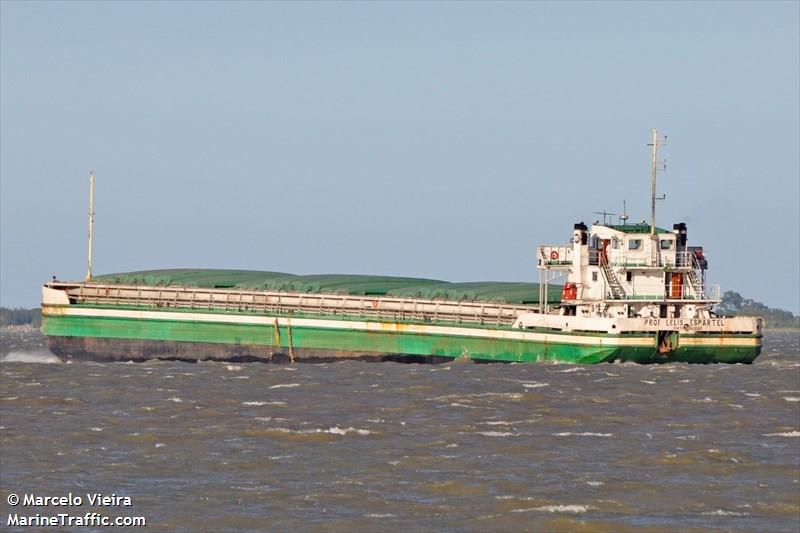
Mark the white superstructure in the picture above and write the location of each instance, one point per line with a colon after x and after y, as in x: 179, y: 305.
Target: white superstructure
x: 631, y: 278
x: 628, y: 271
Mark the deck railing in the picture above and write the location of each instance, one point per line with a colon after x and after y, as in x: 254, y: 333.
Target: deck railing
x: 254, y: 301
x: 554, y: 256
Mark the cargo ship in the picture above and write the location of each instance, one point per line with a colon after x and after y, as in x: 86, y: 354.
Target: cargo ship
x: 614, y: 292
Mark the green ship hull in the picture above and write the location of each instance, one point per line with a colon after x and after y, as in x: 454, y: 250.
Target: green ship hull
x: 126, y: 333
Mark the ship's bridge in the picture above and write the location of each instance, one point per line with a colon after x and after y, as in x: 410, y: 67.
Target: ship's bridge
x: 629, y: 246
x: 628, y: 262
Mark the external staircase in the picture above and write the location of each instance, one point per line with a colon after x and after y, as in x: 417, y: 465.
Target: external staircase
x: 617, y: 291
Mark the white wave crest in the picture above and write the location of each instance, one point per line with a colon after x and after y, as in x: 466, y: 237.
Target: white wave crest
x: 284, y: 386
x: 335, y: 430
x: 456, y: 404
x: 720, y: 512
x: 784, y: 434
x: 498, y: 434
x: 791, y: 399
x: 582, y: 434
x: 254, y: 403
x: 573, y: 509
x: 535, y: 385
x: 42, y: 357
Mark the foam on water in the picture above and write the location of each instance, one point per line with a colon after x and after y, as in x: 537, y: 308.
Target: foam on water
x: 333, y: 430
x: 582, y: 434
x: 284, y: 386
x: 456, y: 404
x: 468, y: 397
x: 509, y: 422
x: 498, y: 434
x: 535, y: 385
x: 42, y: 357
x: 783, y: 434
x: 571, y: 509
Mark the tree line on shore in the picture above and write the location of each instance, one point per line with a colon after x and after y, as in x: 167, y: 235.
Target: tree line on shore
x: 732, y: 304
x: 20, y: 317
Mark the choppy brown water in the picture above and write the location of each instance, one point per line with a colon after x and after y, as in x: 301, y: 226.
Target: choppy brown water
x: 382, y: 447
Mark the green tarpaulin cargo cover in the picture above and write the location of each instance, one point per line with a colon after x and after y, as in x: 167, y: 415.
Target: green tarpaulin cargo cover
x: 359, y: 285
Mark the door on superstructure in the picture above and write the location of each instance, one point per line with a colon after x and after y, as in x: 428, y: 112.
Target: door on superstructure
x: 604, y: 243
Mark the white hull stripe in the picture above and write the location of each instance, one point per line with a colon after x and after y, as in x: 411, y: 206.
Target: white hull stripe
x: 394, y: 327
x: 718, y: 341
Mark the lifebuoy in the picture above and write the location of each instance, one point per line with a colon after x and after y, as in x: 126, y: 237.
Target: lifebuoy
x: 554, y: 256
x: 374, y: 304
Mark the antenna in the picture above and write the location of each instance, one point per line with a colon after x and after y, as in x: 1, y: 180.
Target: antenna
x: 655, y: 144
x: 91, y: 223
x: 605, y: 214
x: 623, y: 218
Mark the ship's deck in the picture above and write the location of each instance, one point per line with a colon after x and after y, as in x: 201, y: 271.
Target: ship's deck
x: 357, y: 285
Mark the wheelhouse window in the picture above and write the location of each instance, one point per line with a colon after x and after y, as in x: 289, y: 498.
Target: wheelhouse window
x: 666, y: 244
x: 634, y: 244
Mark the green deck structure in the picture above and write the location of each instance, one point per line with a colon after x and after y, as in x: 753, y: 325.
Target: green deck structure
x: 357, y: 285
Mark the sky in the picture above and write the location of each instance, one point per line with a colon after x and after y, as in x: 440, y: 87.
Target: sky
x: 440, y: 140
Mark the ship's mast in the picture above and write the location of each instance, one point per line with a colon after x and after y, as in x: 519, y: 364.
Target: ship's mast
x: 652, y: 196
x: 655, y: 144
x: 91, y: 224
